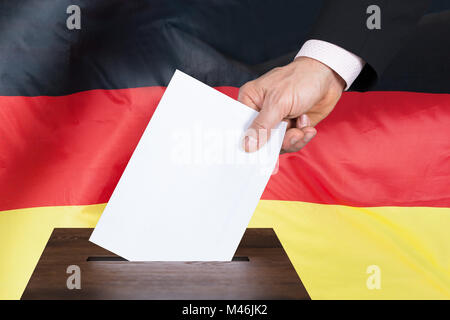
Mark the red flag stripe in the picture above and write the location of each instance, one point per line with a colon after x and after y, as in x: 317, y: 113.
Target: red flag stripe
x: 375, y: 149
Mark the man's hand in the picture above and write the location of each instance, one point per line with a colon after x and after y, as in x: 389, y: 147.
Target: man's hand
x: 303, y: 92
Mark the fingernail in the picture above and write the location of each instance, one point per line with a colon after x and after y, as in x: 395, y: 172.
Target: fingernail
x: 308, y: 136
x: 251, y: 144
x: 250, y: 141
x: 304, y: 121
x: 294, y: 141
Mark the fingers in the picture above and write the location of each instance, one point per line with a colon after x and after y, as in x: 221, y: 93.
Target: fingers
x: 252, y: 95
x: 299, y: 132
x: 297, y: 137
x: 249, y: 95
x: 258, y: 133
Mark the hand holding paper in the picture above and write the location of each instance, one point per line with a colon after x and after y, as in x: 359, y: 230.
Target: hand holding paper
x: 189, y: 198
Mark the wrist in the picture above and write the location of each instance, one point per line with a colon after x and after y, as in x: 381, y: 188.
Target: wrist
x: 331, y: 78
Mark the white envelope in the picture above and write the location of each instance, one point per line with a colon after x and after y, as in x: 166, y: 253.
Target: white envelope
x: 189, y: 189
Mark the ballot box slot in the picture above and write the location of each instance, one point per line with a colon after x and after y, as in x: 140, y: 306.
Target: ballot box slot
x: 240, y: 259
x: 106, y: 258
x: 116, y: 258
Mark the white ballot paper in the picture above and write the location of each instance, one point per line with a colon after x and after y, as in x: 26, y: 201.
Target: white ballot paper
x: 189, y: 189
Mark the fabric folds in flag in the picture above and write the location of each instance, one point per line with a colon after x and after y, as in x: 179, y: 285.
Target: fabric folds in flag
x: 372, y: 188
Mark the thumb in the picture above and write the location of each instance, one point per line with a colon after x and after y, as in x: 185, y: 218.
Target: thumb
x: 258, y: 133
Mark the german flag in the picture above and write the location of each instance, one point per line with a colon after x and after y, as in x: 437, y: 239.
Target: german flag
x: 74, y: 103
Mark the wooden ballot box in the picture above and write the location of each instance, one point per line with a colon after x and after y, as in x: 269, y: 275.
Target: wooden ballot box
x: 260, y: 270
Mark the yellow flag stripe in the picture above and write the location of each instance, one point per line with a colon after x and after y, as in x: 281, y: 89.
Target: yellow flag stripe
x: 330, y: 246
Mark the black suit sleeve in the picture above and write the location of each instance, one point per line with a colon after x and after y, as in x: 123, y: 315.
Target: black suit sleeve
x: 343, y: 22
